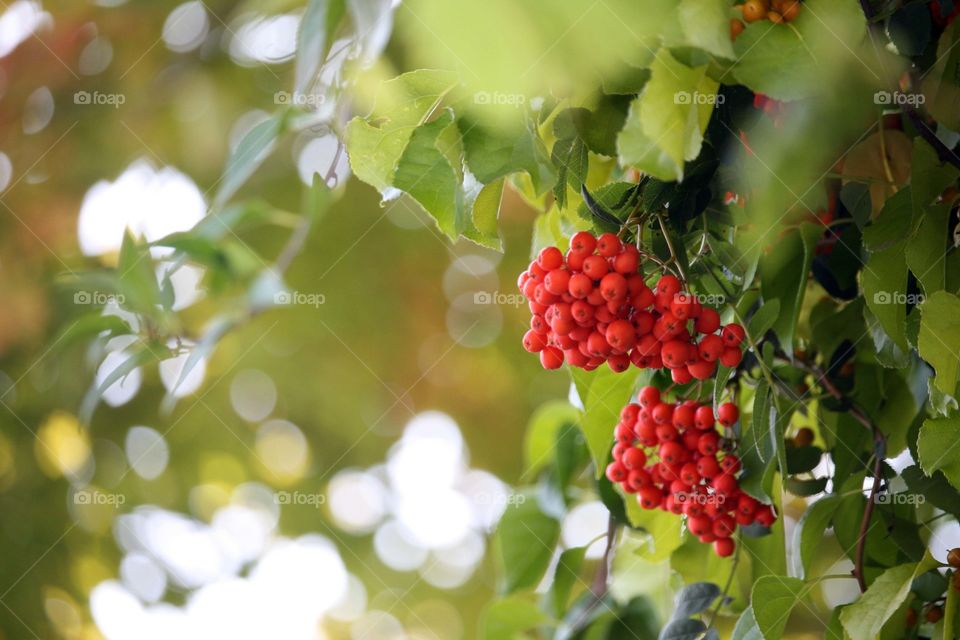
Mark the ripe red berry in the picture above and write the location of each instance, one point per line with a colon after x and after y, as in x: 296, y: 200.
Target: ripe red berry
x: 557, y: 281
x: 627, y: 261
x: 597, y: 345
x: 643, y: 298
x: 667, y: 432
x: 583, y: 242
x: 724, y: 547
x: 551, y: 358
x: 630, y: 413
x: 733, y: 334
x: 725, y: 484
x: 702, y: 370
x: 550, y: 258
x: 668, y: 286
x: 618, y: 363
x: 534, y: 342
x: 682, y: 305
x: 766, y: 516
x: 649, y: 497
x: 730, y: 463
x: 621, y: 335
x: 674, y: 353
x: 690, y: 438
x: 634, y: 458
x: 579, y: 285
x: 608, y: 245
x: 616, y: 472
x: 708, y: 467
x: 680, y: 375
x: 724, y: 526
x: 711, y: 348
x: 649, y: 396
x: 707, y: 443
x: 728, y: 414
x: 703, y: 418
x: 731, y: 357
x: 699, y: 525
x: 683, y: 416
x: 688, y: 473
x: 613, y: 287
x: 662, y: 413
x: 595, y: 267
x: 671, y: 453
x: 638, y: 479
x: 747, y: 505
x: 708, y: 322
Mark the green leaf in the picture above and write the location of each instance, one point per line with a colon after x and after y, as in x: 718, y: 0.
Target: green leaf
x: 939, y: 339
x: 607, y: 393
x: 425, y: 172
x: 756, y: 450
x: 864, y: 619
x: 893, y: 225
x: 884, y: 280
x: 249, y: 154
x: 569, y: 156
x: 565, y: 576
x: 928, y: 176
x: 694, y: 598
x: 802, y: 459
x: 664, y: 530
x: 763, y: 320
x: 808, y: 536
x: 940, y: 84
x: 937, y: 448
x: 319, y: 22
x: 682, y: 630
x: 513, y: 146
x: 506, y: 618
x: 541, y: 434
x: 376, y: 144
x: 926, y: 249
x: 747, y: 628
x: 139, y: 355
x: 483, y: 216
x: 138, y: 281
x: 783, y: 277
x: 525, y: 538
x: 804, y: 488
x: 773, y: 597
x: 212, y: 334
x: 90, y: 325
x: 933, y: 488
x: 720, y: 384
x: 706, y: 24
x: 792, y: 61
x: 665, y: 124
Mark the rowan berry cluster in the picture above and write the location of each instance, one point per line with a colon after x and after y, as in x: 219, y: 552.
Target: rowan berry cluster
x: 671, y: 455
x: 592, y: 306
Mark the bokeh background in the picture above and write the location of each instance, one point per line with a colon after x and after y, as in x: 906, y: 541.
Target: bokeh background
x: 340, y: 460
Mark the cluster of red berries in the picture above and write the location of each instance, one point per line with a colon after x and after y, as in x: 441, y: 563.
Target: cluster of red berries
x: 672, y: 456
x: 592, y: 306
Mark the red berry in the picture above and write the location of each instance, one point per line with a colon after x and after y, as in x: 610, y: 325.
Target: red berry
x: 550, y: 258
x: 613, y: 287
x: 634, y: 458
x: 703, y: 418
x: 728, y: 414
x: 766, y: 516
x: 643, y: 298
x: 662, y: 413
x: 556, y: 281
x: 627, y: 261
x: 725, y: 484
x: 671, y: 453
x: 595, y: 267
x: 616, y: 472
x: 680, y: 375
x: 731, y: 357
x: 649, y: 497
x: 688, y: 473
x: 597, y: 345
x: 730, y: 463
x: 707, y: 467
x: 608, y: 245
x: 618, y: 363
x: 747, y: 505
x: 733, y: 334
x: 534, y: 342
x: 699, y: 525
x: 724, y: 526
x: 724, y: 547
x: 674, y: 353
x: 669, y: 286
x: 575, y: 260
x: 551, y: 358
x: 583, y: 242
x: 708, y: 322
x: 579, y: 285
x: 667, y: 433
x: 707, y: 443
x: 649, y: 396
x: 711, y: 348
x: 619, y: 448
x: 702, y: 370
x: 682, y: 305
x: 638, y: 479
x: 630, y: 413
x: 683, y: 416
x: 690, y: 438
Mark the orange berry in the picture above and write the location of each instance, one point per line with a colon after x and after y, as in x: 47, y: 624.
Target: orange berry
x: 736, y: 28
x: 774, y: 17
x: 754, y: 10
x: 790, y: 10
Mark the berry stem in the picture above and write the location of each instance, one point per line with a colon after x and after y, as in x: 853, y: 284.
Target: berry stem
x: 726, y: 588
x: 950, y: 608
x: 673, y: 252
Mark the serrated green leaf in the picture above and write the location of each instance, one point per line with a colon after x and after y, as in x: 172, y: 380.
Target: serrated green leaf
x: 565, y: 576
x: 939, y: 339
x: 865, y: 618
x: 808, y: 536
x: 783, y: 277
x: 772, y: 598
x: 249, y: 154
x: 505, y: 618
x: 608, y: 393
x: 525, y: 538
x: 938, y: 450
